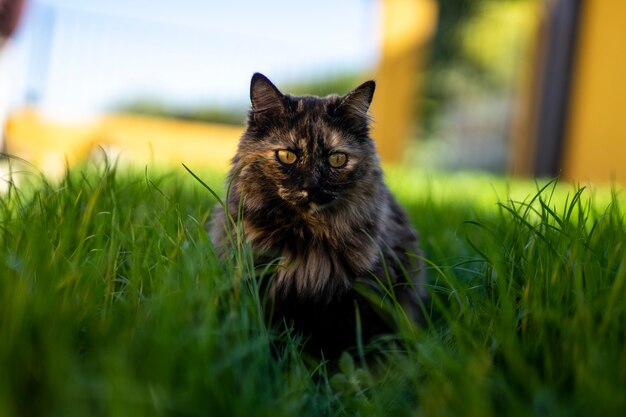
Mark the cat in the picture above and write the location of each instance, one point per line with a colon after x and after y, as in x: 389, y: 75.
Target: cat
x: 308, y: 188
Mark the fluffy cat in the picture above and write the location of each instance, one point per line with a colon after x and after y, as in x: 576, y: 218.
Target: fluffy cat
x: 308, y: 180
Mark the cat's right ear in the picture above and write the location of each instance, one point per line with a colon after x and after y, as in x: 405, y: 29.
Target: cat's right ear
x: 264, y: 95
x: 357, y: 102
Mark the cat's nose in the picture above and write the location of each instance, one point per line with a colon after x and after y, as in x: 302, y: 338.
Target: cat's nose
x: 318, y: 196
x: 311, y: 186
x: 311, y: 182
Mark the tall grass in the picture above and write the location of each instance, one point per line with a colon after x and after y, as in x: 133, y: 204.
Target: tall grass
x: 113, y: 302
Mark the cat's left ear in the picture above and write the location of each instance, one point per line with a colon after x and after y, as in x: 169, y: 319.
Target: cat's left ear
x: 264, y: 95
x: 357, y: 101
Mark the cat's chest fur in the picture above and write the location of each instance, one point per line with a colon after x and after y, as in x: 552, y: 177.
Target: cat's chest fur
x: 318, y: 254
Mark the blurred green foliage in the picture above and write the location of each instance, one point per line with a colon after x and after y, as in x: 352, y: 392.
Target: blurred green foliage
x: 476, y: 50
x: 234, y: 115
x: 336, y: 83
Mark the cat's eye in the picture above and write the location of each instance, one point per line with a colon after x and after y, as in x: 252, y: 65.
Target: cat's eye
x: 337, y: 159
x: 286, y: 157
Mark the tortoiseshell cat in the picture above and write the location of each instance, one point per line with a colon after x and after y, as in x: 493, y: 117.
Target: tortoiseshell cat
x: 307, y: 175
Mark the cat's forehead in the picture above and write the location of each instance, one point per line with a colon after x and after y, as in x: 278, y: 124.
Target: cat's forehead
x: 310, y: 105
x: 311, y: 125
x: 316, y: 138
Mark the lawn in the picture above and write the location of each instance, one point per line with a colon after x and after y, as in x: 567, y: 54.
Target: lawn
x: 113, y: 303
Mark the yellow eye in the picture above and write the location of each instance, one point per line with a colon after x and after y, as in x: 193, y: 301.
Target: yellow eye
x: 286, y: 157
x: 337, y: 159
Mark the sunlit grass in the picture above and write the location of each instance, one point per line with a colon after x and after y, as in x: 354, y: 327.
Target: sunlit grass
x: 113, y: 302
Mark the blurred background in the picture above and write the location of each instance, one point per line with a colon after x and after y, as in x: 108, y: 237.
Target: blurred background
x: 513, y: 87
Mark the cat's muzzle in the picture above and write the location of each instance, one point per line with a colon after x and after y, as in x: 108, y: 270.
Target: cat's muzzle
x: 319, y: 197
x: 312, y: 200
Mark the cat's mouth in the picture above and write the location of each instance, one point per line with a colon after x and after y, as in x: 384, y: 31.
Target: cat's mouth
x: 311, y: 208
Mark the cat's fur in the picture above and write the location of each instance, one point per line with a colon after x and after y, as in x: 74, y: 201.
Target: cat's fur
x: 333, y: 230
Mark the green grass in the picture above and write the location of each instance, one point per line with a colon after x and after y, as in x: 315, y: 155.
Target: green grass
x: 113, y: 302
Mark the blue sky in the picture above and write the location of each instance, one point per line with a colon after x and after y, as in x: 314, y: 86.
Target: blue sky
x: 84, y: 56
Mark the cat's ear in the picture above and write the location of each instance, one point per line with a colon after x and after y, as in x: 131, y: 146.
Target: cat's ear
x: 357, y: 102
x: 264, y: 95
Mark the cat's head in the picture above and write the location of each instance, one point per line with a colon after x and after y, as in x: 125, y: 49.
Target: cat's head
x: 306, y: 152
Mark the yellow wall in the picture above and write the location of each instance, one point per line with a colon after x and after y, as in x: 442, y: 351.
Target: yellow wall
x: 522, y: 146
x: 595, y: 146
x: 49, y: 145
x: 406, y: 28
